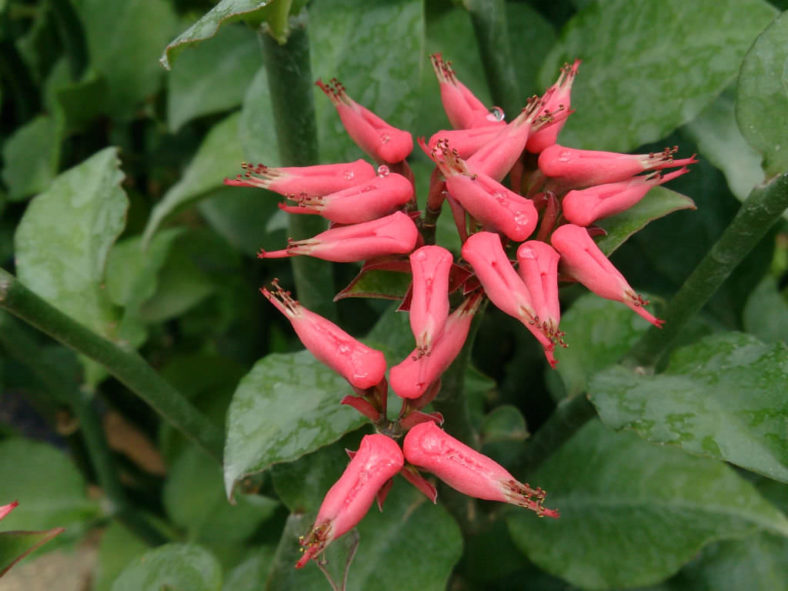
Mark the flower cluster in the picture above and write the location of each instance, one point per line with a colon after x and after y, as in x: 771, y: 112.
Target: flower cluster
x: 518, y: 241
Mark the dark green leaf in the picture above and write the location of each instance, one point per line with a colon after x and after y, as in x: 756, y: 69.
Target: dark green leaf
x: 118, y: 546
x: 15, y: 545
x: 251, y: 573
x: 176, y: 567
x: 649, y: 67
x: 631, y: 512
x: 504, y: 423
x: 762, y: 98
x: 723, y: 397
x: 377, y: 283
x: 256, y: 126
x: 213, y: 77
x: 531, y: 37
x: 31, y: 157
x: 766, y: 312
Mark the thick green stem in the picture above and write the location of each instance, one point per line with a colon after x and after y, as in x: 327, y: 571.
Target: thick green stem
x: 127, y: 366
x: 757, y: 215
x: 492, y: 35
x: 291, y: 86
x: 62, y: 387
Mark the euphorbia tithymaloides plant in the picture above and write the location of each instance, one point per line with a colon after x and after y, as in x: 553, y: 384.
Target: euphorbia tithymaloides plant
x: 519, y: 241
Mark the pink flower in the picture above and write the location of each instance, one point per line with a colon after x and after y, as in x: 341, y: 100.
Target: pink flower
x: 585, y: 206
x: 6, y: 509
x: 538, y: 268
x: 429, y: 305
x: 363, y: 202
x: 411, y: 378
x: 583, y: 168
x: 310, y: 181
x: 358, y: 364
x: 464, y: 141
x: 559, y: 99
x: 429, y: 447
x: 392, y: 234
x: 582, y: 260
x: 462, y: 108
x: 377, y: 460
x: 377, y: 138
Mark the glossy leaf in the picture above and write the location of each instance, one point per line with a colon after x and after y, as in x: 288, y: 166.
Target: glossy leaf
x: 173, y: 566
x: 377, y: 283
x: 213, y: 77
x: 15, y: 545
x: 762, y: 98
x: 31, y: 157
x: 650, y: 67
x: 723, y: 397
x: 81, y: 215
x: 632, y: 513
x: 766, y: 312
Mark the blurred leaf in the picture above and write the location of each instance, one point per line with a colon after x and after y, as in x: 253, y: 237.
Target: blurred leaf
x: 650, y: 67
x: 50, y: 490
x: 124, y: 40
x: 213, y: 77
x: 31, y: 157
x: 762, y: 97
x: 632, y: 513
x: 766, y: 312
x: 81, y: 214
x: 116, y: 549
x: 723, y: 397
x: 383, y: 77
x: 531, y: 37
x: 251, y: 573
x: 657, y: 203
x: 503, y: 423
x: 78, y: 103
x: 256, y: 126
x: 218, y: 156
x: 15, y: 545
x: 172, y: 566
x: 719, y: 139
x: 598, y: 333
x: 225, y: 12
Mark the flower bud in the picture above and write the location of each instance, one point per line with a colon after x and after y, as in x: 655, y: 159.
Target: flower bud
x: 310, y: 181
x: 558, y: 99
x: 360, y: 365
x: 429, y: 305
x: 6, y: 509
x: 429, y: 447
x: 377, y: 138
x: 538, y: 268
x: 377, y: 460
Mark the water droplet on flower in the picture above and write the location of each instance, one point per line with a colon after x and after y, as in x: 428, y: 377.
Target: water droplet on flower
x: 344, y: 349
x: 496, y: 114
x: 367, y: 189
x: 500, y: 197
x: 385, y: 138
x: 383, y: 170
x: 564, y: 156
x: 521, y: 219
x: 349, y: 174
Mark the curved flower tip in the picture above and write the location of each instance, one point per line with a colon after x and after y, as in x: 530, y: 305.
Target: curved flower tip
x: 377, y: 138
x: 6, y: 509
x: 377, y: 460
x: 429, y: 447
x: 558, y: 98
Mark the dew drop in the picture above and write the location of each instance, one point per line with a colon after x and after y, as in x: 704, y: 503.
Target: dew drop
x: 565, y: 156
x: 500, y: 197
x: 521, y: 219
x: 344, y: 349
x: 349, y: 174
x: 383, y: 170
x: 495, y: 114
x: 385, y: 138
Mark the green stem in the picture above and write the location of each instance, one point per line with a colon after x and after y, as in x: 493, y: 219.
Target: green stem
x: 757, y: 215
x: 290, y: 84
x: 62, y: 388
x: 489, y: 24
x: 127, y: 366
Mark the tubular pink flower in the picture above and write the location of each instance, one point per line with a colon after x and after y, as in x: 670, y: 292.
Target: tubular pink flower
x: 559, y: 99
x: 462, y: 108
x: 538, y: 268
x: 310, y: 181
x: 429, y: 305
x: 411, y: 378
x: 465, y: 141
x: 377, y: 138
x: 429, y: 447
x: 6, y: 509
x: 360, y: 365
x: 487, y: 200
x: 363, y: 202
x: 584, y: 206
x: 583, y: 168
x: 582, y: 260
x: 503, y: 285
x: 377, y: 460
x: 392, y: 234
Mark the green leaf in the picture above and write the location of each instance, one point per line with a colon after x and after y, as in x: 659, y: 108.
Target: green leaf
x: 172, y: 567
x: 15, y: 545
x: 632, y: 513
x: 118, y: 547
x: 649, y: 67
x: 723, y: 397
x: 80, y: 215
x: 762, y: 97
x: 531, y: 37
x: 31, y: 157
x: 225, y: 12
x: 503, y: 423
x: 285, y: 407
x: 383, y: 77
x: 123, y: 42
x: 213, y: 77
x: 719, y: 139
x: 249, y: 575
x: 598, y: 333
x: 657, y: 203
x: 377, y: 283
x: 766, y: 312
x: 256, y: 128
x: 219, y: 156
x: 50, y: 490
